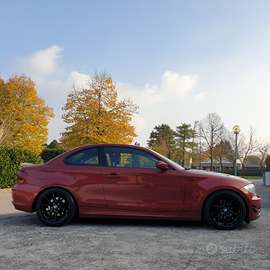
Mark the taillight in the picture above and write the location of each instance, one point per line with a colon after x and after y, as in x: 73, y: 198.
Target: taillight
x: 21, y: 177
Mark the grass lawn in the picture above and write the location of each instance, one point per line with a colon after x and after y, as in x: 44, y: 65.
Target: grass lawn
x: 253, y: 177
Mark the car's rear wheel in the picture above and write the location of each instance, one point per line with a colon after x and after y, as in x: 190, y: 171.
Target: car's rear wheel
x: 55, y: 207
x: 225, y: 210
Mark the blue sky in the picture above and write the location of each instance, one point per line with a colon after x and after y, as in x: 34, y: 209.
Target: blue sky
x: 177, y: 60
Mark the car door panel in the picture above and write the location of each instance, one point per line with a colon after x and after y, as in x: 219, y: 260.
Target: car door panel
x: 143, y: 189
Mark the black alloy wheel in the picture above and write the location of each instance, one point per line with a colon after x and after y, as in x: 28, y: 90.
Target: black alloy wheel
x: 55, y: 207
x: 225, y: 210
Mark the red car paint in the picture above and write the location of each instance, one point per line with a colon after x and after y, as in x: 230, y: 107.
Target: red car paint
x: 105, y: 190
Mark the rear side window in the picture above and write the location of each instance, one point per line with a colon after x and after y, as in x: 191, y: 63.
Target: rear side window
x: 84, y: 157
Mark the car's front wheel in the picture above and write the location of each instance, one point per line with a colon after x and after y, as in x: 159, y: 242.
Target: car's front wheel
x: 55, y: 207
x: 225, y: 210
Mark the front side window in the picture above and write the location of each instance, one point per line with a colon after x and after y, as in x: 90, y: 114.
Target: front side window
x: 129, y: 158
x: 84, y: 157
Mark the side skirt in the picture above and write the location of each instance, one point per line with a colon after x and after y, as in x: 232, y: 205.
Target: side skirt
x: 92, y: 212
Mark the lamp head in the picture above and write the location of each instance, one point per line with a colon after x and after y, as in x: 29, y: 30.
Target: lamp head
x: 236, y: 129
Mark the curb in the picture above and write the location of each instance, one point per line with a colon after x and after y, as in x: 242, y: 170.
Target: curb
x: 5, y: 190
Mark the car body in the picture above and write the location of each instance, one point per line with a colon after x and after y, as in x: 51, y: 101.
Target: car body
x: 127, y: 181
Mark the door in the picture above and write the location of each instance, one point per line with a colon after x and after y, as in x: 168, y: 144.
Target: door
x: 132, y: 182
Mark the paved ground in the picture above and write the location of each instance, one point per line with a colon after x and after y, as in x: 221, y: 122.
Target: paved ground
x: 6, y: 206
x: 122, y: 244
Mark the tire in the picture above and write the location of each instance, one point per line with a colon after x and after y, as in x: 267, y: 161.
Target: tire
x: 225, y: 210
x: 55, y: 207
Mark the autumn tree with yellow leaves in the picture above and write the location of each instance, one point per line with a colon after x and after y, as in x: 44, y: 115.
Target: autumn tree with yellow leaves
x: 94, y: 115
x: 24, y: 116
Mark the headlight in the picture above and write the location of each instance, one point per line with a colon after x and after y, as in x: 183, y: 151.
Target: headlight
x: 251, y: 188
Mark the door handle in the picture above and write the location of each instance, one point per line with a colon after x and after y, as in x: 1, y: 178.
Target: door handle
x: 112, y: 175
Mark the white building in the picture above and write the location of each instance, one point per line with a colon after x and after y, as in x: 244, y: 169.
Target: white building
x: 217, y: 166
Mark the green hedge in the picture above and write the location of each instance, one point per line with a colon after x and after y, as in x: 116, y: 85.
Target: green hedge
x: 10, y: 160
x: 48, y: 154
x: 246, y: 172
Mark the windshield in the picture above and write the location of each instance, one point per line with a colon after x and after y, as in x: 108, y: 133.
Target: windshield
x: 169, y: 161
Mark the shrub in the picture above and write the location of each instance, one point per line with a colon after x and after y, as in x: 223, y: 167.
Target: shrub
x: 48, y: 154
x: 10, y: 160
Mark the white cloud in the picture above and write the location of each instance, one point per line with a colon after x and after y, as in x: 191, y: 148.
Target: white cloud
x: 150, y: 95
x: 41, y: 64
x: 139, y: 122
x: 59, y: 89
x: 78, y: 79
x: 173, y: 83
x: 200, y: 96
x: 44, y: 62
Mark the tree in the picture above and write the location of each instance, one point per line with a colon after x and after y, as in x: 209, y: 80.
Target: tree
x: 211, y: 130
x: 224, y: 150
x: 24, y: 117
x: 94, y: 115
x: 267, y: 162
x: 253, y: 160
x: 185, y: 140
x: 5, y: 112
x: 263, y: 149
x: 246, y: 148
x: 162, y: 140
x: 1, y: 128
x: 53, y: 145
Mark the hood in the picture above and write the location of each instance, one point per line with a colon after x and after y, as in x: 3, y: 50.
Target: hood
x: 209, y: 174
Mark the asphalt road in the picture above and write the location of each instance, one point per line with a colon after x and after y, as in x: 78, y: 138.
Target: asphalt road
x: 132, y: 244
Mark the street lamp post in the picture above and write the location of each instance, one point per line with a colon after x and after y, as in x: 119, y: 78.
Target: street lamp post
x: 200, y: 135
x: 236, y: 130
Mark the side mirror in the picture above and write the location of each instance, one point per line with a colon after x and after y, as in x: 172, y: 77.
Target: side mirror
x: 162, y: 165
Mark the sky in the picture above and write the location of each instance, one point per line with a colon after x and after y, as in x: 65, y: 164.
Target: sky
x: 177, y: 60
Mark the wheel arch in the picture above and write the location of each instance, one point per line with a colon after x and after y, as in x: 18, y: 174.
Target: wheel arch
x: 45, y: 189
x: 232, y: 190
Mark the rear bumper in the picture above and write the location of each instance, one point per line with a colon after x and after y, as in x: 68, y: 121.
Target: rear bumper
x: 23, y: 196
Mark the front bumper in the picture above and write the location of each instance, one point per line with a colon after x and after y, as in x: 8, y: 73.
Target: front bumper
x: 255, y: 210
x: 254, y: 204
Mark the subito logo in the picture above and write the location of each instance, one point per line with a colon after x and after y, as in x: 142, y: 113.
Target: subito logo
x: 211, y: 248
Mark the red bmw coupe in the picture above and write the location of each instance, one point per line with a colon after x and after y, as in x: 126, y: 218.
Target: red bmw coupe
x: 126, y: 181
